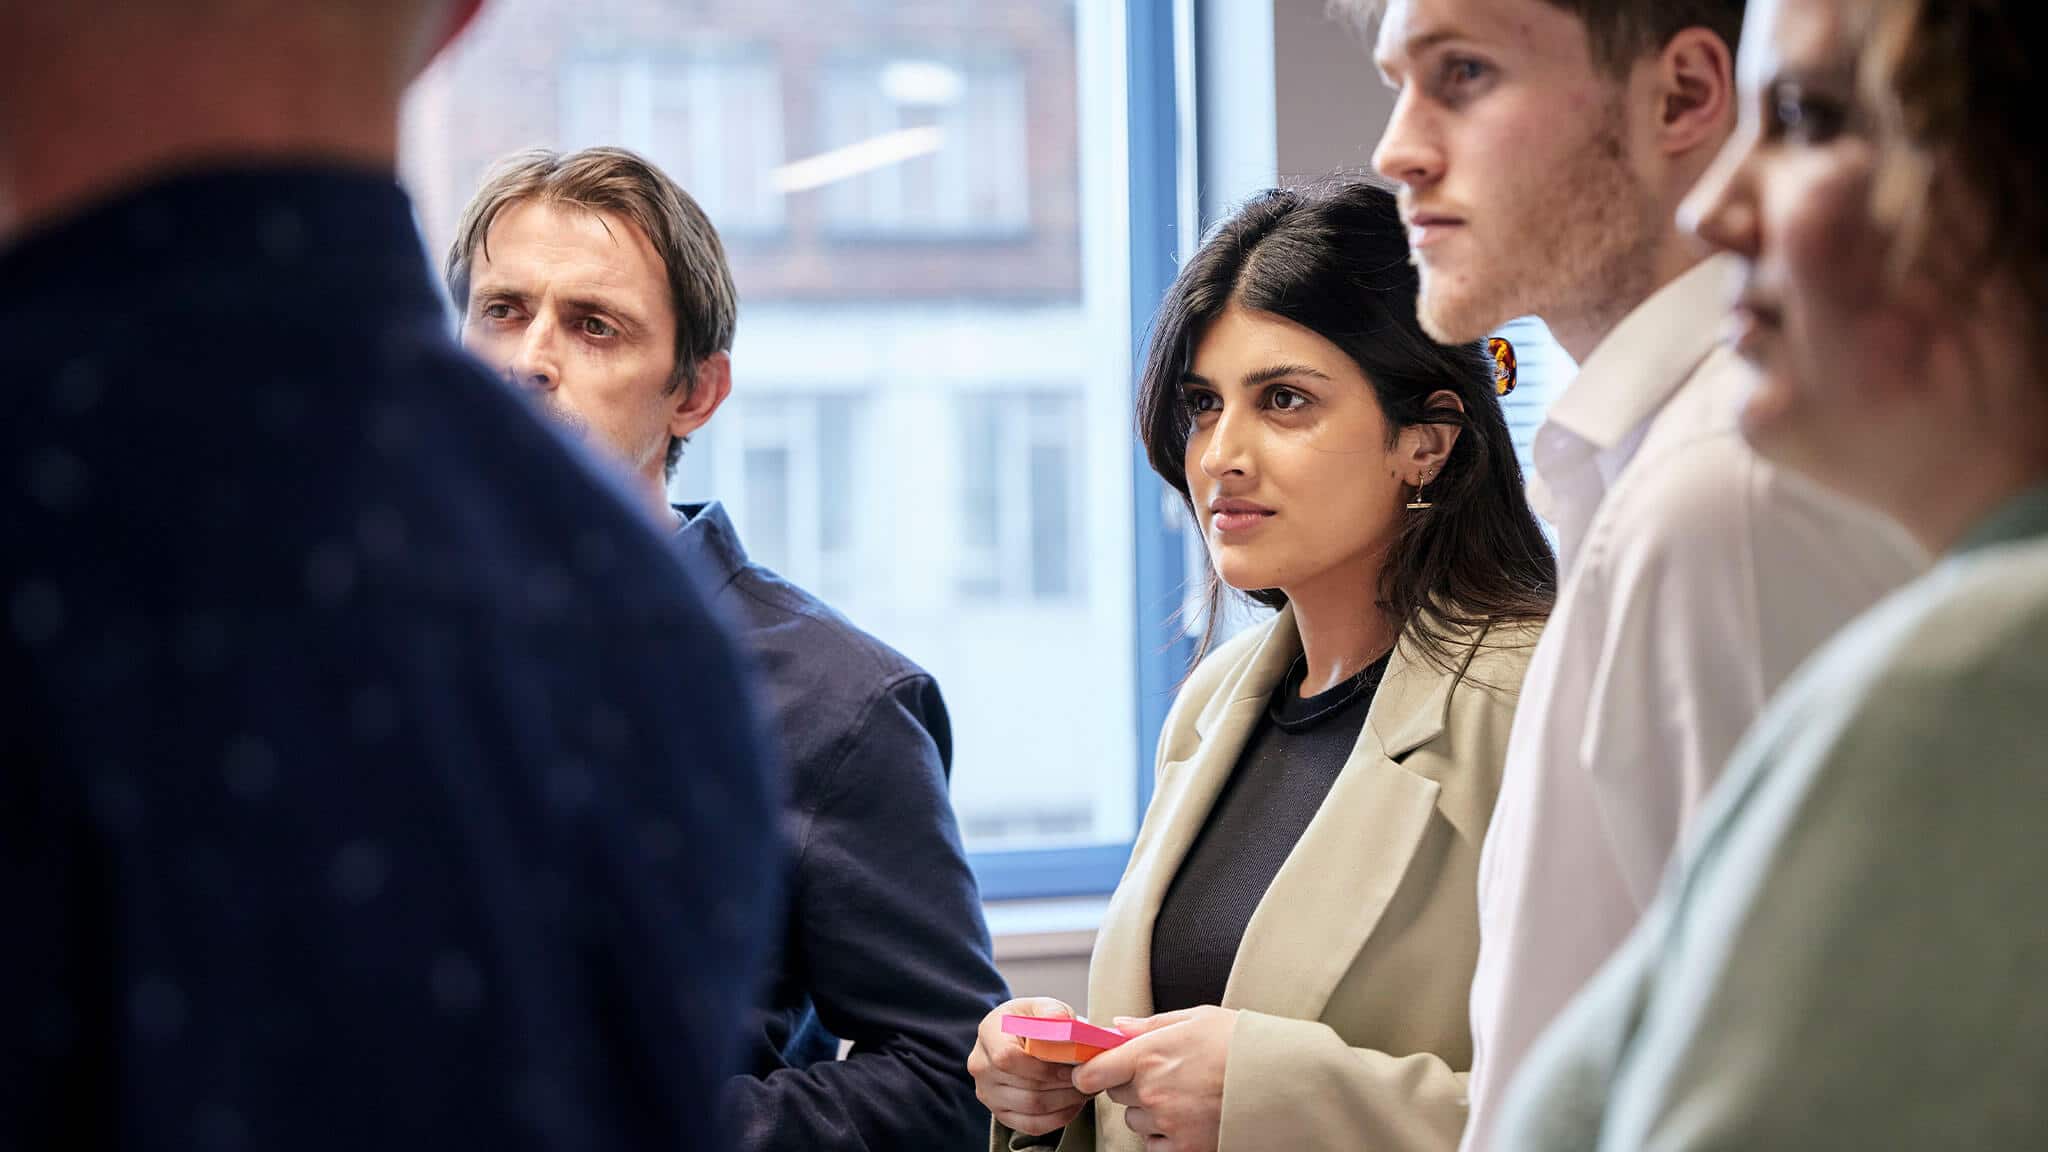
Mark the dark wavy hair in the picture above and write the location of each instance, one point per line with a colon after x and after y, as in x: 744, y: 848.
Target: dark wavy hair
x: 1333, y: 258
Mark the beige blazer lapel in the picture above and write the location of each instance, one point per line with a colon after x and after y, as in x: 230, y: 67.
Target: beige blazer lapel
x: 1120, y: 976
x: 1333, y: 888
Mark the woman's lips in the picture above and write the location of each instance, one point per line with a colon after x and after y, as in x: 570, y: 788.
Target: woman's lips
x: 1233, y: 516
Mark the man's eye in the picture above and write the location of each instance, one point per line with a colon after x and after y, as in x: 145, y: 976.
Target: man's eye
x: 595, y: 327
x: 498, y: 311
x: 1459, y: 74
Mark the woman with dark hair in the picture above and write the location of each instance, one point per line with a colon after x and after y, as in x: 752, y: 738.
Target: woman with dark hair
x: 1851, y: 954
x: 1292, y: 944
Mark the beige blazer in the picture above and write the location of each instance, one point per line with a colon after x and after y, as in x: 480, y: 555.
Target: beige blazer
x: 1352, y: 980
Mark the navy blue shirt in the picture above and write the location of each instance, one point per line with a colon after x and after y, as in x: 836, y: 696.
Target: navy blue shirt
x: 883, y: 942
x: 369, y: 776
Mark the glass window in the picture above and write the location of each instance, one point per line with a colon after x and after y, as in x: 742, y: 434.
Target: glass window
x: 927, y: 208
x: 955, y: 129
x: 1019, y: 514
x: 711, y: 119
x: 784, y: 465
x: 1544, y: 369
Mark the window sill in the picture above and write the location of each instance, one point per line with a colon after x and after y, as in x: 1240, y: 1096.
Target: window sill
x: 1045, y: 929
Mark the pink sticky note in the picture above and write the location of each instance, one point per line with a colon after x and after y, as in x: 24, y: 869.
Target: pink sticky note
x: 1060, y: 1041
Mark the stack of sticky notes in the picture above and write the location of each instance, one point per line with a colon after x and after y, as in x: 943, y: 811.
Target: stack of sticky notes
x: 1058, y: 1041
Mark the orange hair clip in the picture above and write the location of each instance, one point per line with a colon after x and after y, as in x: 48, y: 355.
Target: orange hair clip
x: 1503, y: 354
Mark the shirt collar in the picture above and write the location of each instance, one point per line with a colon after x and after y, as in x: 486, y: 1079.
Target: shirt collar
x: 2023, y: 517
x: 707, y: 540
x: 1647, y: 356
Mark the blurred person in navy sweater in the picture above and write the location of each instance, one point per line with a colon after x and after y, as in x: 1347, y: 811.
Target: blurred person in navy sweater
x: 599, y: 284
x: 369, y: 777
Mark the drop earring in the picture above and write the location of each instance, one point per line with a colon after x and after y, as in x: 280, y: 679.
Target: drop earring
x: 1422, y: 503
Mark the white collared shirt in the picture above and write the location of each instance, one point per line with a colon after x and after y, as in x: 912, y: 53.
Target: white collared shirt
x: 1695, y: 578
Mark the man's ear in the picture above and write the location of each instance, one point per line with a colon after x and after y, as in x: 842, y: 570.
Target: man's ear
x: 1695, y: 86
x: 699, y: 397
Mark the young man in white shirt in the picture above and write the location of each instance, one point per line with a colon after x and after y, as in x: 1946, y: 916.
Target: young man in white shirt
x: 1542, y: 148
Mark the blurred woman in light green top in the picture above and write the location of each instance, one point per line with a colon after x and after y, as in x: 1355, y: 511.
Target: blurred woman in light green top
x: 1851, y: 953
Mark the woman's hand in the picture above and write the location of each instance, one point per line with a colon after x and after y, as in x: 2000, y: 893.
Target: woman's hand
x: 1169, y: 1077
x: 1024, y: 1093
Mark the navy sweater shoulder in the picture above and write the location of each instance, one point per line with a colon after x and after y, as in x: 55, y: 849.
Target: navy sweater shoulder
x: 349, y: 801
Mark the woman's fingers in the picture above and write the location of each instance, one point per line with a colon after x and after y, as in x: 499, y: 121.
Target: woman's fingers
x: 1023, y: 1093
x: 1030, y: 1102
x: 1013, y: 1063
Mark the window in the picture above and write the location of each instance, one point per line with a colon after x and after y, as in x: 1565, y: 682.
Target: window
x: 930, y: 210
x: 1544, y: 369
x: 711, y: 119
x: 1019, y: 495
x: 960, y: 126
x: 783, y: 464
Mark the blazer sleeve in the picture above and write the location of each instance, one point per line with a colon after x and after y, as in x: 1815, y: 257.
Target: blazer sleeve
x: 1176, y: 740
x: 1295, y: 1083
x: 892, y: 947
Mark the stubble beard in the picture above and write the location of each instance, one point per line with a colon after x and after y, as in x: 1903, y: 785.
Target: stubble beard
x: 569, y: 422
x: 1580, y: 250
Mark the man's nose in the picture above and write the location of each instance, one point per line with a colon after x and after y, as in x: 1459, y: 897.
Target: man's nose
x: 534, y: 362
x: 1407, y: 153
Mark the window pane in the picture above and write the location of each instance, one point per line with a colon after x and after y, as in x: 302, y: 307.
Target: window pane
x: 1018, y: 528
x: 924, y: 206
x: 1050, y: 471
x: 981, y: 453
x: 767, y: 507
x: 958, y: 119
x: 836, y: 500
x: 1543, y: 368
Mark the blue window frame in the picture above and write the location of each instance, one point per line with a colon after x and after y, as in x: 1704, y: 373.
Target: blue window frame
x: 1155, y: 43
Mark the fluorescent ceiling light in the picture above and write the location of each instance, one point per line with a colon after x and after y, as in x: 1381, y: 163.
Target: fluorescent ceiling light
x: 856, y: 159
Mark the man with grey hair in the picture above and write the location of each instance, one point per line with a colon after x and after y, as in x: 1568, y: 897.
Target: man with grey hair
x: 599, y: 285
x: 346, y: 803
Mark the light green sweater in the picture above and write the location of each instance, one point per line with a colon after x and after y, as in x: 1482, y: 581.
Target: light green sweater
x: 1852, y: 951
